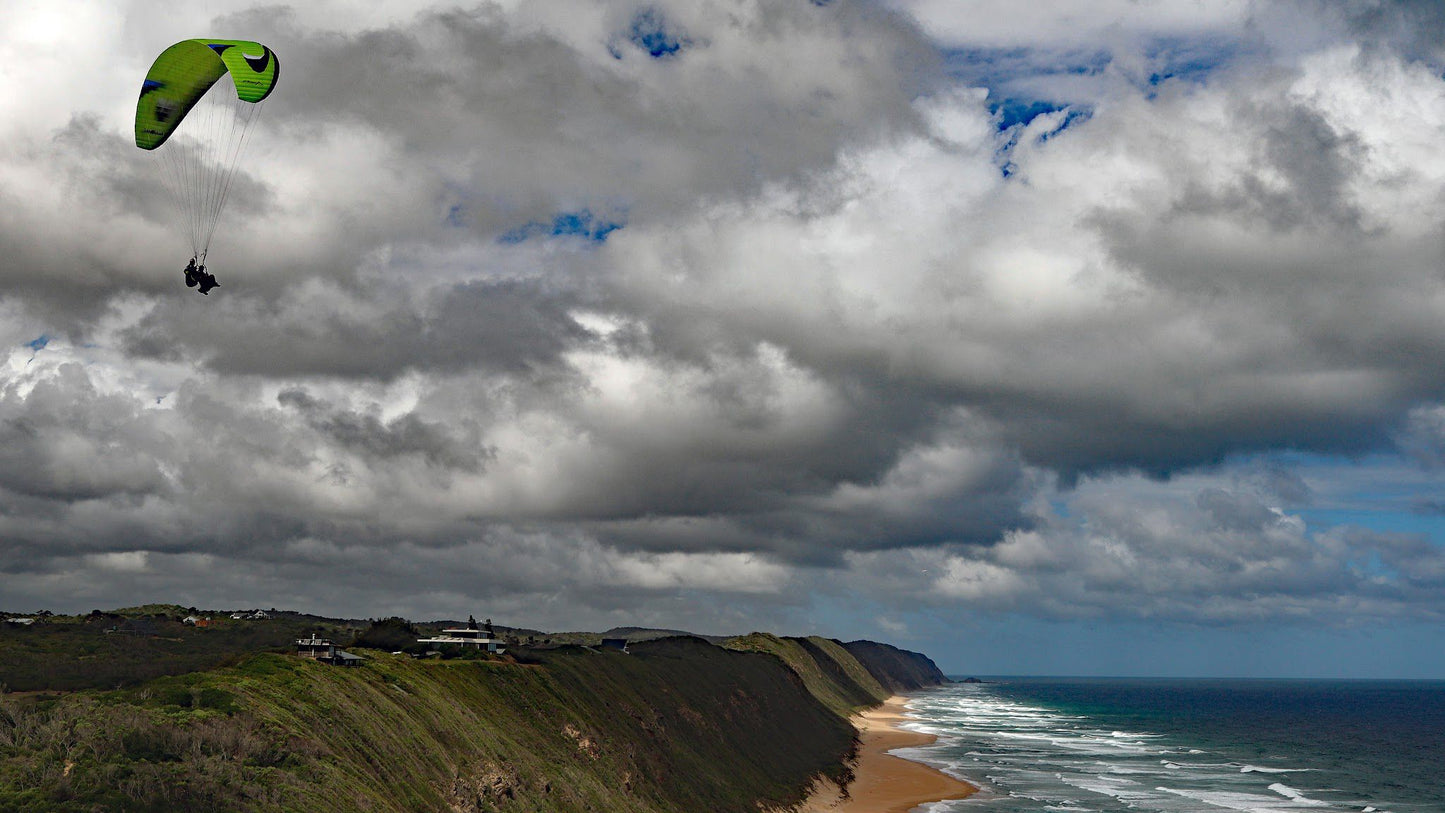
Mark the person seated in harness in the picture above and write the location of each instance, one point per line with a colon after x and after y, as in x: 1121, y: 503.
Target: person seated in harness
x: 196, y: 276
x: 205, y: 280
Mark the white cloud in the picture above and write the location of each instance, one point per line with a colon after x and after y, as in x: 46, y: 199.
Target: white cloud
x: 1072, y: 22
x: 730, y: 572
x: 844, y: 333
x: 131, y: 561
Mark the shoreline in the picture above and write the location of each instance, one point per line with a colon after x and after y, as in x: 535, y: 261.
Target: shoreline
x: 884, y: 783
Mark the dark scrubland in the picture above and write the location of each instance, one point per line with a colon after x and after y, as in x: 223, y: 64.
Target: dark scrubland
x: 108, y: 650
x: 679, y: 724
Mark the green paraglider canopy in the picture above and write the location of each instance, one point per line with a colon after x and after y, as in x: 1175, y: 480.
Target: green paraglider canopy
x: 184, y: 72
x: 206, y: 92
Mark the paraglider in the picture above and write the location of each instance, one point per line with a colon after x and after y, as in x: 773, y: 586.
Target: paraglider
x: 207, y: 94
x: 196, y: 275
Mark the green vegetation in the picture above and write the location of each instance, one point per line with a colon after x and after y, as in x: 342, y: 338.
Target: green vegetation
x: 108, y: 650
x: 826, y: 669
x: 391, y: 635
x: 678, y: 725
x: 896, y: 669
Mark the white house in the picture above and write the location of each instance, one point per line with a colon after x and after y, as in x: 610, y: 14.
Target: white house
x: 470, y: 635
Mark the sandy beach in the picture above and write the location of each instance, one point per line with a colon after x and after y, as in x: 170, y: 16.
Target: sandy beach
x: 885, y: 783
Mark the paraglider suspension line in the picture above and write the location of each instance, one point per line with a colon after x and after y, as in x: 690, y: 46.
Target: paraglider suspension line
x: 252, y: 113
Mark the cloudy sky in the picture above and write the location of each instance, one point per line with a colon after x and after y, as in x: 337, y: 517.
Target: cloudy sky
x: 1101, y: 337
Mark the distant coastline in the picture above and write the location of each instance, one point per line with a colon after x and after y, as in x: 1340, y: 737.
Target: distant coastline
x: 273, y: 710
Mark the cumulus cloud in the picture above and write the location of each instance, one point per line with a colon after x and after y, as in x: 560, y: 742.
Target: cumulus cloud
x: 1090, y: 22
x: 1200, y: 549
x: 584, y: 309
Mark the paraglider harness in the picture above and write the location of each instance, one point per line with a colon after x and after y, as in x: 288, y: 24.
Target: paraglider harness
x: 196, y: 275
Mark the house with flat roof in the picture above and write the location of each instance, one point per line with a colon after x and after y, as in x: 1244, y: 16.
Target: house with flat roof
x: 472, y: 635
x: 323, y: 650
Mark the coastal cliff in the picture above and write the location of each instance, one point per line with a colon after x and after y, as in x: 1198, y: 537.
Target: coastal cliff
x: 675, y: 724
x: 897, y: 669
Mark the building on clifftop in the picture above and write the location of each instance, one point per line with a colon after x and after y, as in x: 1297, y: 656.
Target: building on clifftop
x: 321, y: 649
x: 470, y: 635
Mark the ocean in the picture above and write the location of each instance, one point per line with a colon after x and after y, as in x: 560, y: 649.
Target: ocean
x: 1082, y: 745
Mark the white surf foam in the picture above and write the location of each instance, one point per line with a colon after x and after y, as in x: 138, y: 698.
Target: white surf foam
x: 1061, y: 762
x: 1241, y: 800
x: 1293, y: 795
x: 1258, y: 769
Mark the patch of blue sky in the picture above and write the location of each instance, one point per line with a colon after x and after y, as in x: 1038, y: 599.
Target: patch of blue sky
x: 1039, y: 76
x: 1378, y: 492
x: 1428, y: 506
x: 1406, y: 519
x: 654, y: 34
x: 1061, y: 507
x: 455, y: 202
x: 1188, y: 60
x: 996, y: 68
x: 1011, y: 115
x: 1012, y: 112
x: 1075, y: 115
x: 1019, y: 82
x: 580, y: 224
x: 36, y: 345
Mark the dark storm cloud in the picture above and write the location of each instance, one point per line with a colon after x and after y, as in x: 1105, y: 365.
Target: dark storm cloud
x: 383, y: 440
x: 1285, y: 485
x: 1423, y: 437
x: 1224, y: 334
x: 1233, y: 510
x: 1213, y: 555
x: 65, y: 441
x: 526, y: 304
x: 92, y: 174
x: 530, y: 120
x: 502, y: 326
x: 737, y: 446
x: 1300, y: 148
x: 1415, y: 26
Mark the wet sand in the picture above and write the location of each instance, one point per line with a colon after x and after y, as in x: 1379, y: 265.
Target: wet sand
x: 885, y: 783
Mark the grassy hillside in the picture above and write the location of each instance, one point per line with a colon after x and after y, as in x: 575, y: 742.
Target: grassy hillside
x: 680, y: 725
x: 897, y: 669
x: 157, y: 715
x: 826, y: 669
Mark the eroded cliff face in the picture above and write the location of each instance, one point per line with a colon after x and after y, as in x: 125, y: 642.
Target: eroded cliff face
x: 677, y: 725
x: 490, y: 786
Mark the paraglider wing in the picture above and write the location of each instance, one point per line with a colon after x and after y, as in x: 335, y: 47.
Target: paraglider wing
x: 184, y: 72
x: 206, y: 93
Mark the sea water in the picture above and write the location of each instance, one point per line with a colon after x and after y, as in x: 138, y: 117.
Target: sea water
x: 1187, y: 746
